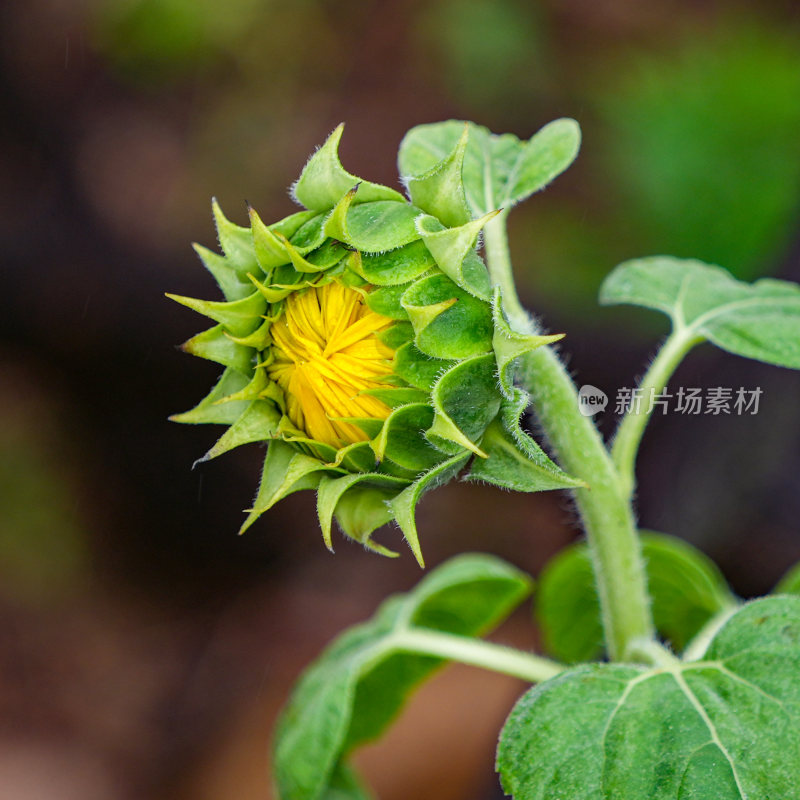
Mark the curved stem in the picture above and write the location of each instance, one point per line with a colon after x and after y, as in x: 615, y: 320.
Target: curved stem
x: 606, y: 513
x: 495, y: 246
x: 478, y: 653
x: 631, y: 428
x: 652, y: 653
x: 605, y: 510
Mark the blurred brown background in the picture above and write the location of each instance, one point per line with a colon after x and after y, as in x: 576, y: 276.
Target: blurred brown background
x: 144, y: 647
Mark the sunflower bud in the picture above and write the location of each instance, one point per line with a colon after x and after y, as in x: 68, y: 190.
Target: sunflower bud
x: 363, y: 340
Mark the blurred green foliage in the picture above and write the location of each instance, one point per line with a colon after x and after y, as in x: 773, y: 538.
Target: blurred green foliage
x: 691, y: 149
x: 43, y: 544
x: 486, y: 55
x: 157, y: 39
x: 704, y: 143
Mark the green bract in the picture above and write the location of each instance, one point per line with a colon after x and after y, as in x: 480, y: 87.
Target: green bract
x: 452, y: 403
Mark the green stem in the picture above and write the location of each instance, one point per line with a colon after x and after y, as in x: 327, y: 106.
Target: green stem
x: 478, y: 653
x: 605, y: 510
x: 495, y: 245
x: 652, y: 653
x: 606, y: 514
x: 630, y: 431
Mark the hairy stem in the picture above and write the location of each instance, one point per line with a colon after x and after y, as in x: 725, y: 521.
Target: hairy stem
x: 652, y: 653
x: 605, y: 510
x: 631, y: 428
x: 478, y: 653
x: 495, y: 245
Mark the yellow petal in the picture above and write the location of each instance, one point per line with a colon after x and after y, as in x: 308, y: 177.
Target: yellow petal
x: 326, y: 353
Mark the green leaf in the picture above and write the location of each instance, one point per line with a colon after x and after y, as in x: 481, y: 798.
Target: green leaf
x: 239, y: 317
x: 509, y: 345
x: 285, y: 471
x: 269, y: 249
x: 289, y: 226
x: 440, y: 191
x: 725, y: 728
x: 758, y: 320
x: 359, y: 684
x: 466, y: 400
x: 375, y: 227
x: 453, y: 249
x: 397, y: 335
x: 510, y: 468
x: 363, y: 509
x: 402, y: 438
x: 310, y: 235
x: 567, y: 608
x: 258, y: 388
x: 510, y: 415
x: 258, y: 339
x: 257, y: 424
x: 344, y: 784
x: 362, y: 488
x: 213, y: 408
x: 236, y: 242
x: 215, y: 345
x: 397, y: 266
x: 327, y: 255
x: 324, y: 180
x: 686, y: 587
x: 387, y: 301
x: 404, y: 506
x: 396, y: 396
x: 232, y: 283
x: 418, y: 368
x: 449, y: 323
x: 790, y: 582
x: 498, y: 171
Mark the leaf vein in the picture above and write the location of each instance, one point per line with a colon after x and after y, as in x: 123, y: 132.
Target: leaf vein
x: 709, y: 315
x: 698, y: 707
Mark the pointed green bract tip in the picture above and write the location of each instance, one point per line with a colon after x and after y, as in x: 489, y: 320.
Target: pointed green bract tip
x: 440, y: 191
x: 324, y: 180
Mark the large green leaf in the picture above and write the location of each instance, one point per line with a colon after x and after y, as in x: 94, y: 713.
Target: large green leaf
x: 686, y: 588
x: 498, y: 171
x: 724, y: 728
x: 360, y: 682
x: 758, y: 320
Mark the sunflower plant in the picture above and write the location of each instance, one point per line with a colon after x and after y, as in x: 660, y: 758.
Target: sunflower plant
x: 374, y: 340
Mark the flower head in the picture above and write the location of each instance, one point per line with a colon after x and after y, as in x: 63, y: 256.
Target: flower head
x: 327, y: 353
x: 362, y: 339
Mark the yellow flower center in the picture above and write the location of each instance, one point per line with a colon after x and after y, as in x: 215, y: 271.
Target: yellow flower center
x: 326, y: 354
